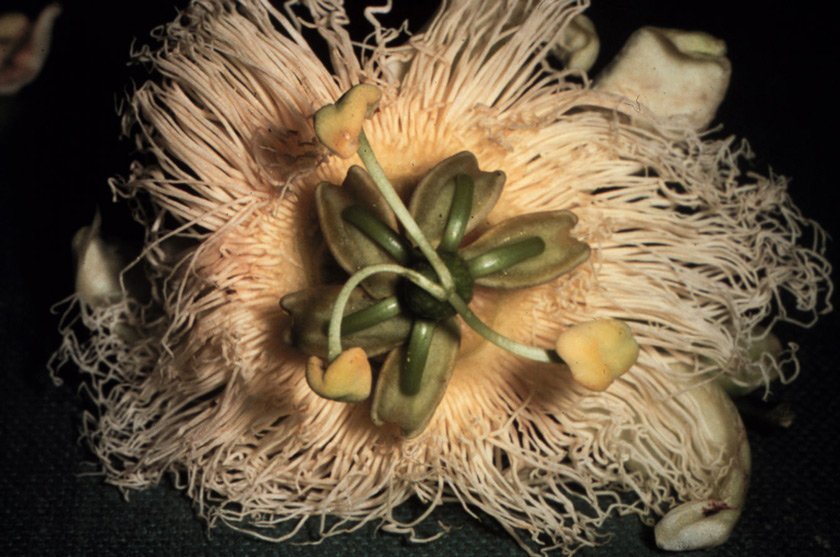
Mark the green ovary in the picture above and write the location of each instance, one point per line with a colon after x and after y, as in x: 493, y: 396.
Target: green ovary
x: 425, y: 306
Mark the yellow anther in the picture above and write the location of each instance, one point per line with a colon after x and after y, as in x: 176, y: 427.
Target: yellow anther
x: 347, y: 379
x: 598, y: 352
x: 338, y: 125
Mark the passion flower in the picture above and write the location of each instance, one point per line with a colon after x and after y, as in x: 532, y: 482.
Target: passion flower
x: 401, y: 317
x: 212, y: 381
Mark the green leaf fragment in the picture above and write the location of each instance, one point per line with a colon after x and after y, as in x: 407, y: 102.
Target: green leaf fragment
x: 513, y: 238
x: 412, y: 412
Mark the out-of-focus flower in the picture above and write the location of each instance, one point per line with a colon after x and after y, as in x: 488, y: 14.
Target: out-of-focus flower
x: 97, y: 267
x: 23, y: 47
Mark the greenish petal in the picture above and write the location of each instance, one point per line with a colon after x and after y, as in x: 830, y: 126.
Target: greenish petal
x: 512, y: 237
x: 352, y: 246
x: 412, y: 412
x: 432, y: 199
x: 310, y: 310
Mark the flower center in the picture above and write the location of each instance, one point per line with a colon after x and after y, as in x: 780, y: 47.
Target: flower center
x: 421, y: 303
x: 403, y: 293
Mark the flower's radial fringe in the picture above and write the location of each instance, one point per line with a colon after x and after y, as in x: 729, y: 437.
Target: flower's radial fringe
x: 688, y: 250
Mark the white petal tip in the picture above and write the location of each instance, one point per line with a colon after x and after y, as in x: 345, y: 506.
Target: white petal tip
x: 696, y: 525
x: 580, y: 45
x: 97, y: 267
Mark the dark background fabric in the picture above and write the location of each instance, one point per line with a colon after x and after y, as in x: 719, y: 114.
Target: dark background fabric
x: 59, y: 144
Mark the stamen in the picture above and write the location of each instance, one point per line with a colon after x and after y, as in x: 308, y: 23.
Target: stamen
x: 493, y: 261
x: 506, y: 256
x: 370, y: 316
x: 334, y: 335
x: 401, y: 211
x: 347, y: 379
x: 530, y: 352
x: 459, y: 213
x: 377, y: 231
x: 416, y: 356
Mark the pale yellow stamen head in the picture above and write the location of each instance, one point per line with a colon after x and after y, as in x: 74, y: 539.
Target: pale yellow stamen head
x: 338, y: 125
x: 347, y: 379
x: 598, y: 352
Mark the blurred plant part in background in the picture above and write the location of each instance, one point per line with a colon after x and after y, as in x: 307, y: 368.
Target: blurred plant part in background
x: 24, y: 46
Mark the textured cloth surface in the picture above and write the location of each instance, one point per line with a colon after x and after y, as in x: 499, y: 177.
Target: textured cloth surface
x: 58, y: 146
